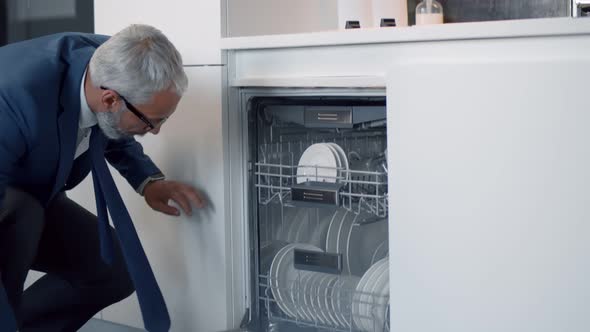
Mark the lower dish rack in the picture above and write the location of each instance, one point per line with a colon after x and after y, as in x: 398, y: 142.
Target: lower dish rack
x: 324, y: 302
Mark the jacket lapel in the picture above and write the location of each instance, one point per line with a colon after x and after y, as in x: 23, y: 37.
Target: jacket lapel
x: 70, y: 114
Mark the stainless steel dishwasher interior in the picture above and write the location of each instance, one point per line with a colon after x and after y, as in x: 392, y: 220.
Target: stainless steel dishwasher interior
x: 319, y: 234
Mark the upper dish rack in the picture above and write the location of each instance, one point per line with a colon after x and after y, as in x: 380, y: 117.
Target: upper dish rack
x: 361, y: 187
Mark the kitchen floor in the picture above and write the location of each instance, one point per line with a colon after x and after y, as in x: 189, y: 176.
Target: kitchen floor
x: 96, y: 325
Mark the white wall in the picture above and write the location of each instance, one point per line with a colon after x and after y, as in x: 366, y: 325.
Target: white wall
x: 265, y: 17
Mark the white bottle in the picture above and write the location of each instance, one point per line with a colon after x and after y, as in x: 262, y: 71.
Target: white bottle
x: 429, y: 12
x: 396, y: 9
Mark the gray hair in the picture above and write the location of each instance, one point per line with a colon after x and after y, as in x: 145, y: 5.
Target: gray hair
x: 138, y: 62
x: 109, y: 124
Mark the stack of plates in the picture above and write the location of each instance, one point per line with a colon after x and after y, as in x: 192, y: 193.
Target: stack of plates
x: 361, y: 245
x: 301, y: 225
x: 286, y: 280
x: 369, y: 304
x: 322, y: 162
x: 344, y: 301
x: 320, y: 298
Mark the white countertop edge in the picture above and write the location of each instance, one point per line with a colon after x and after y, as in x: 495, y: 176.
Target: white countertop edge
x: 315, y: 82
x: 453, y: 31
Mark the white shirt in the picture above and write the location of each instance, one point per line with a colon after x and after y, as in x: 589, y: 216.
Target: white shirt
x: 87, y: 120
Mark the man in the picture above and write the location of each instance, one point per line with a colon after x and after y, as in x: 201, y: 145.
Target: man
x: 67, y: 102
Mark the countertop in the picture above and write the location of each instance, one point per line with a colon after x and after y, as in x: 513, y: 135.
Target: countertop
x: 452, y: 31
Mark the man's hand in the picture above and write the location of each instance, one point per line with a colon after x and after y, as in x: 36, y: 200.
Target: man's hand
x: 158, y: 193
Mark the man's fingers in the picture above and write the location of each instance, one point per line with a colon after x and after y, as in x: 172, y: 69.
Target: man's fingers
x: 195, y: 197
x: 166, y: 209
x: 184, y: 203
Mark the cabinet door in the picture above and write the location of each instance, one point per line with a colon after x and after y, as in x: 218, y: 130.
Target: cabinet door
x: 187, y: 254
x: 489, y: 183
x: 193, y: 26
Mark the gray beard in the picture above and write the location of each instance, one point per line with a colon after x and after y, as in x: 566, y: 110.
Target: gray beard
x: 109, y: 124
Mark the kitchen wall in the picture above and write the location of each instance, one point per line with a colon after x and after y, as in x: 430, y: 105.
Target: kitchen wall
x: 264, y: 17
x: 261, y: 17
x: 492, y: 10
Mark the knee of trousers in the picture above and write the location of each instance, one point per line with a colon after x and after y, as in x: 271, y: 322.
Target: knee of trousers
x: 21, y: 225
x: 22, y: 218
x: 18, y: 205
x: 117, y: 287
x: 122, y: 288
x: 119, y: 284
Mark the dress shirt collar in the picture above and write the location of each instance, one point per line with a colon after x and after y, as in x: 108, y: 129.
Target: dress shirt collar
x: 87, y: 117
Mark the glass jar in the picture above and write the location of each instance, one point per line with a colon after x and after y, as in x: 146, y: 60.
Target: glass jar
x: 429, y: 12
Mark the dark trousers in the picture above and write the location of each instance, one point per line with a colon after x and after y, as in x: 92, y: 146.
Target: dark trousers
x: 62, y: 241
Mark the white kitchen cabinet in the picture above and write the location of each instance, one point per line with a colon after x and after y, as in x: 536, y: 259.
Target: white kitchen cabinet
x: 489, y: 230
x: 187, y: 254
x: 193, y: 26
x: 487, y: 158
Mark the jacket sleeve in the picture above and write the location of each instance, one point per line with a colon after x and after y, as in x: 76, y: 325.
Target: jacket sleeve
x: 13, y: 146
x: 127, y: 156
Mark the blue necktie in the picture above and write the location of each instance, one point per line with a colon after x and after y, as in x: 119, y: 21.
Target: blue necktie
x: 7, y: 323
x: 153, y: 308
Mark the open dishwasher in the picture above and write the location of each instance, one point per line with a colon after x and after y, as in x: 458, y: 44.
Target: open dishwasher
x: 319, y: 227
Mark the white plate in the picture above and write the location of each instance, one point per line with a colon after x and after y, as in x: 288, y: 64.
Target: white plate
x: 334, y: 303
x: 288, y: 216
x: 332, y: 235
x: 375, y: 324
x: 268, y: 254
x: 325, y: 297
x: 372, y: 283
x: 274, y: 280
x: 318, y: 154
x: 284, y: 275
x: 380, y: 312
x: 343, y: 236
x: 288, y: 273
x: 364, y: 297
x: 312, y: 299
x: 318, y: 238
x: 361, y: 243
x: 342, y: 297
x: 300, y: 224
x: 380, y: 252
x: 360, y: 297
x: 352, y: 256
x: 343, y: 158
x: 336, y: 154
x: 299, y: 296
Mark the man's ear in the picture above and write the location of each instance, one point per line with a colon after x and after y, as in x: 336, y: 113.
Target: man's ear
x: 109, y: 101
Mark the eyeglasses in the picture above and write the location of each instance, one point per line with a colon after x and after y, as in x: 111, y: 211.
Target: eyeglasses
x: 136, y: 112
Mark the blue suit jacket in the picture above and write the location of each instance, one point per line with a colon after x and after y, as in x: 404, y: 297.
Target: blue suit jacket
x: 39, y: 111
